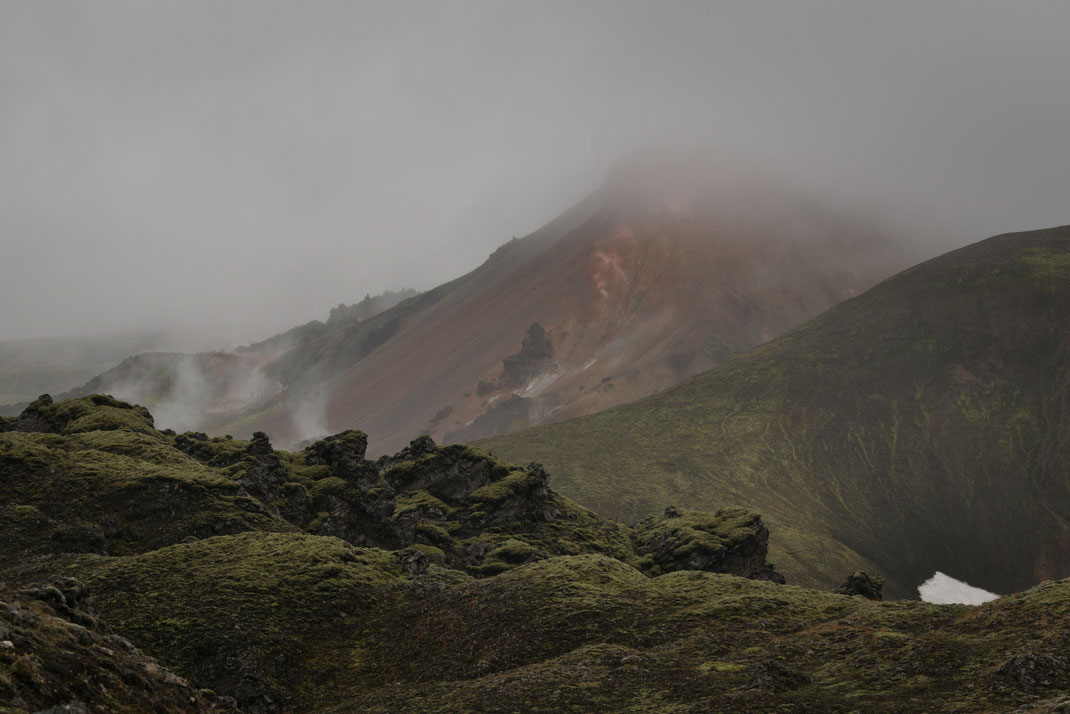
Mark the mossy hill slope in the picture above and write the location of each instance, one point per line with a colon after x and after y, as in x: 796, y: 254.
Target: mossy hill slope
x: 54, y: 653
x: 923, y: 425
x: 439, y: 579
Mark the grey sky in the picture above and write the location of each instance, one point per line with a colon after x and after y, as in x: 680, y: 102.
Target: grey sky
x: 247, y: 165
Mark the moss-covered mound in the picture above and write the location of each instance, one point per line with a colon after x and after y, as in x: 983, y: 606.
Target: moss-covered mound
x: 589, y: 633
x: 261, y: 616
x: 55, y: 653
x: 438, y: 579
x: 921, y: 426
x: 475, y: 513
x: 110, y: 484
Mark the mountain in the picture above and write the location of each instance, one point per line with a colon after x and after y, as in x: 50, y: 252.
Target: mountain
x: 146, y: 570
x: 664, y: 271
x: 921, y: 426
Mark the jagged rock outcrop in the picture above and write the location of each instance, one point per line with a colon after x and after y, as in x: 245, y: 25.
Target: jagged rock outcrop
x: 368, y: 307
x: 467, y: 509
x: 264, y: 476
x: 36, y: 416
x: 342, y: 453
x: 535, y: 355
x: 487, y: 592
x: 731, y: 540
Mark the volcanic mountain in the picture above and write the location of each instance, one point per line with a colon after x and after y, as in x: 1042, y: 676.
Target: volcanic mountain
x: 655, y: 277
x: 922, y: 426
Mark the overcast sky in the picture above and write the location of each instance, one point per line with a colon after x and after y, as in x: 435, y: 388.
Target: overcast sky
x: 248, y: 165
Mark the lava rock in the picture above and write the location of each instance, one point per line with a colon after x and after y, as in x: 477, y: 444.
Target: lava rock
x: 731, y: 540
x: 1032, y: 671
x: 864, y: 584
x: 37, y: 417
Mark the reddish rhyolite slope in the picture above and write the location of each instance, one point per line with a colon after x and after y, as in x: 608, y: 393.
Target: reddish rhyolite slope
x: 655, y: 277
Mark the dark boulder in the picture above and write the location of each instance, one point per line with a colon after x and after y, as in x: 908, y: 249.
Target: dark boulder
x: 864, y: 584
x: 535, y: 355
x: 38, y: 417
x: 260, y: 445
x: 343, y: 454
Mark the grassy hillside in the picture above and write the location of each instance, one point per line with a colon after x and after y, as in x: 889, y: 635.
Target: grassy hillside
x: 145, y: 570
x: 922, y: 425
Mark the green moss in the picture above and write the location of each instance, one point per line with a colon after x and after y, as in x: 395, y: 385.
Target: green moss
x: 433, y: 533
x: 506, y: 556
x: 434, y: 554
x: 294, y: 489
x: 414, y: 501
x: 316, y: 523
x: 717, y: 666
x: 513, y: 483
x: 150, y: 494
x: 1047, y: 264
x: 559, y: 618
x: 402, y: 467
x: 252, y: 595
x: 96, y: 412
x: 688, y: 531
x: 330, y: 486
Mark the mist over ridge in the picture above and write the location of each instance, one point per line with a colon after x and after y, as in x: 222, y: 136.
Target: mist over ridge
x: 242, y: 173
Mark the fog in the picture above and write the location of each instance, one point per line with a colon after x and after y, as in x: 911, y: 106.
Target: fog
x: 243, y: 167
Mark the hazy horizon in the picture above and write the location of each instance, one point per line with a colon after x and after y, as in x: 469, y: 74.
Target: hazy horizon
x: 241, y: 168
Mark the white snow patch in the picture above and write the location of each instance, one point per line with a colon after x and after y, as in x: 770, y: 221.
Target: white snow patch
x: 943, y: 589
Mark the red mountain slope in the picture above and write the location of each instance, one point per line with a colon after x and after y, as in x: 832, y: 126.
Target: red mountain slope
x: 655, y: 277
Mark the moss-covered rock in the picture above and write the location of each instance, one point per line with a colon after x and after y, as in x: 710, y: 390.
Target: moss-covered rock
x: 864, y: 584
x: 113, y: 492
x: 54, y: 652
x: 731, y: 540
x: 480, y: 589
x: 93, y: 413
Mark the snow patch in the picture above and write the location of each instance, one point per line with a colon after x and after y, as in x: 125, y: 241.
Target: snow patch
x: 943, y: 589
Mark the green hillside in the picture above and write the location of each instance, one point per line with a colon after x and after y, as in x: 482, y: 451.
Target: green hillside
x: 143, y: 570
x: 922, y: 425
